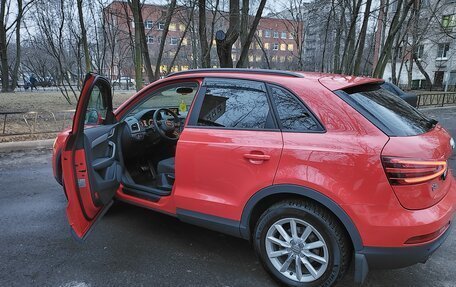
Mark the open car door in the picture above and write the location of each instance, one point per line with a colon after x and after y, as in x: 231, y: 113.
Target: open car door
x: 90, y: 159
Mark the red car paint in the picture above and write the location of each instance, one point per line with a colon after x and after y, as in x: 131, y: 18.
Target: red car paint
x: 343, y: 163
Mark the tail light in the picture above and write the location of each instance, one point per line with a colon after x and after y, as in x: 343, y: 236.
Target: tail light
x: 402, y: 171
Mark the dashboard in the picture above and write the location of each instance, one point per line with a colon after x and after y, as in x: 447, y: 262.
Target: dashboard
x: 141, y: 124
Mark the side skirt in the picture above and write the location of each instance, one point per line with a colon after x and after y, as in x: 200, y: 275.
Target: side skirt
x: 223, y: 225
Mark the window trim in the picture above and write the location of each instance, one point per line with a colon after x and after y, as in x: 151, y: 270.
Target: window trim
x: 198, y: 103
x: 322, y: 130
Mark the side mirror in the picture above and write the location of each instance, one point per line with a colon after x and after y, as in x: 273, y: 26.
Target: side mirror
x: 93, y: 117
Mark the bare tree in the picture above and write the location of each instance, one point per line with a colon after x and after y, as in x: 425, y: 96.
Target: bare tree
x: 246, y: 38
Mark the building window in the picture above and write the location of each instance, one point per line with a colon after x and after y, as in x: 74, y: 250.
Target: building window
x: 172, y: 27
x: 260, y: 33
x: 161, y: 26
x: 250, y: 58
x: 173, y: 41
x: 184, y: 42
x: 267, y: 33
x: 182, y: 27
x: 283, y: 35
x: 266, y: 46
x: 148, y: 24
x: 275, y: 47
x: 283, y: 47
x: 290, y: 47
x: 419, y: 51
x: 449, y: 21
x: 276, y: 35
x: 442, y: 51
x: 290, y: 36
x: 150, y: 39
x: 258, y: 58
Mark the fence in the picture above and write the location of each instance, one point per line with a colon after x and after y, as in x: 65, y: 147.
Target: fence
x: 436, y: 99
x: 19, y: 123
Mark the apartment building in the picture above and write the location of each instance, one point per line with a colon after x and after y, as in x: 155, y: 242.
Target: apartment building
x: 435, y: 49
x: 274, y: 45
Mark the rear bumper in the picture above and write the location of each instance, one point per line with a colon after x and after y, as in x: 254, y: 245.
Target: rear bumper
x: 395, y: 257
x: 390, y: 257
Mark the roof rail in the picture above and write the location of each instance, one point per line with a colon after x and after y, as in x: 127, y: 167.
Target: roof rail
x: 236, y: 70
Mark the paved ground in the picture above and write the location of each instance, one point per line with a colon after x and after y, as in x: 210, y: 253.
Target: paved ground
x: 132, y: 246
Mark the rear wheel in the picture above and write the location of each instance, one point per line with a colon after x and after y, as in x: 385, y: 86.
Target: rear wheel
x: 302, y: 244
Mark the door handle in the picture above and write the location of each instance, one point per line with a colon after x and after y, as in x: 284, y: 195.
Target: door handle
x: 256, y: 158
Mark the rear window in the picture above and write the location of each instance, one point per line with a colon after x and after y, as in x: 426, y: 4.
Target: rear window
x: 388, y: 112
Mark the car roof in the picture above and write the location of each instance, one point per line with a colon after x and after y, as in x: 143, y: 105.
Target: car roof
x: 331, y: 81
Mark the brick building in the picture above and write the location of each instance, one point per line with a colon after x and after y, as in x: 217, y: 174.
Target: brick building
x: 274, y: 45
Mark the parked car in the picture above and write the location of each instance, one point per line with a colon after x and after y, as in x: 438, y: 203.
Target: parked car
x: 409, y: 97
x: 315, y: 170
x: 124, y: 83
x: 40, y: 82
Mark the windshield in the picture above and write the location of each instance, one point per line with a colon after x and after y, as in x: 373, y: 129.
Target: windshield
x: 177, y: 97
x: 388, y: 112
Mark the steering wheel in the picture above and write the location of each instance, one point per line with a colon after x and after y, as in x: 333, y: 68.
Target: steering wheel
x: 167, y: 129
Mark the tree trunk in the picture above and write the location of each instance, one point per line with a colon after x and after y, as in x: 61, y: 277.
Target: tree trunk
x: 349, y: 46
x: 145, y: 48
x: 135, y: 9
x: 422, y: 70
x: 362, y: 38
x: 325, y: 41
x: 169, y: 16
x: 3, y: 48
x: 243, y: 59
x: 135, y: 6
x: 225, y: 45
x: 244, y: 33
x: 398, y: 19
x: 187, y: 26
x: 205, y: 52
x: 338, y: 39
x: 85, y: 45
x: 14, y: 76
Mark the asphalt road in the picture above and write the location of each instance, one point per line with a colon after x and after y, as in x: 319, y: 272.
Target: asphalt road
x: 137, y: 247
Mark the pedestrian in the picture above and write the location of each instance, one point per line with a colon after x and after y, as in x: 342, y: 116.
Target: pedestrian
x: 33, y: 83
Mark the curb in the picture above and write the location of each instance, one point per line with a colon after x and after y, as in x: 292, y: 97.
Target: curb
x: 26, y: 145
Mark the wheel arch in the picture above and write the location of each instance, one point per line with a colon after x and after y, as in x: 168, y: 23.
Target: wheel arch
x: 264, y: 198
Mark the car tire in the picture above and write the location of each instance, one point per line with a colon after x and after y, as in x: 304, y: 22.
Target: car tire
x: 317, y: 238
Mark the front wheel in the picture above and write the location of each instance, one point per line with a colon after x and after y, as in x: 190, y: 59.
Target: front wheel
x: 302, y: 244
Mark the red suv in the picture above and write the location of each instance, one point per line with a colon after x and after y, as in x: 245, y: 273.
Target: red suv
x: 313, y: 169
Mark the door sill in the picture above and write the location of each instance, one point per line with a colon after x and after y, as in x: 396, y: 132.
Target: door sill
x: 144, y: 192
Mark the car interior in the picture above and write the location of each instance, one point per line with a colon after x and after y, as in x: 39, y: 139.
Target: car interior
x: 148, y: 135
x: 149, y: 140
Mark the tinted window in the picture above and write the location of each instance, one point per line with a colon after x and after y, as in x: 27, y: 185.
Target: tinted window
x: 388, y: 112
x: 240, y: 104
x: 293, y: 115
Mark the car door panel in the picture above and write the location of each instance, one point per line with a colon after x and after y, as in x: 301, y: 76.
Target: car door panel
x: 218, y: 170
x: 91, y: 164
x: 105, y: 171
x: 229, y: 149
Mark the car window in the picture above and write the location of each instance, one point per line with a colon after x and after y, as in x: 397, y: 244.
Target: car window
x: 97, y: 107
x: 293, y: 115
x: 235, y: 104
x: 387, y: 111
